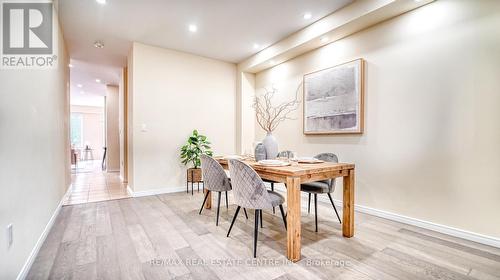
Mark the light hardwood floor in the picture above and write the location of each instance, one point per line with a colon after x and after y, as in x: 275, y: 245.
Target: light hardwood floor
x: 163, y: 237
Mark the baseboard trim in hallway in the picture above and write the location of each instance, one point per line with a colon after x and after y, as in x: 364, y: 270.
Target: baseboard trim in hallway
x: 34, y: 252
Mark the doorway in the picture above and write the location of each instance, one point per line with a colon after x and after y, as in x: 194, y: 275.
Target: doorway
x: 96, y: 122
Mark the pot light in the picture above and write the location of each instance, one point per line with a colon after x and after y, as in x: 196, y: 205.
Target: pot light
x: 307, y: 15
x: 99, y: 44
x: 256, y: 46
x: 97, y: 80
x: 102, y: 2
x: 193, y: 28
x: 79, y: 85
x: 70, y: 65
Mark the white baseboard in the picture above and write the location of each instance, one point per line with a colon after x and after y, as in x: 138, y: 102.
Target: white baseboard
x: 122, y: 179
x: 455, y: 232
x: 154, y: 191
x: 34, y: 252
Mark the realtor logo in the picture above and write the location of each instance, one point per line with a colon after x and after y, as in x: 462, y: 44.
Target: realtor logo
x: 27, y: 35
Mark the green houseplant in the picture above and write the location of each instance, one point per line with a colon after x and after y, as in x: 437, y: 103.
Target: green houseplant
x: 197, y: 145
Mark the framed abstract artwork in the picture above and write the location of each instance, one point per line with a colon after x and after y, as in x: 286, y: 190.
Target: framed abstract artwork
x: 333, y: 99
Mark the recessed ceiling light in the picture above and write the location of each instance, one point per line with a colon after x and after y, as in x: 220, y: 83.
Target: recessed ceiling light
x: 307, y: 15
x: 193, y: 28
x: 256, y: 46
x: 70, y: 65
x: 324, y: 39
x: 99, y: 44
x: 79, y: 85
x: 102, y: 2
x: 97, y: 80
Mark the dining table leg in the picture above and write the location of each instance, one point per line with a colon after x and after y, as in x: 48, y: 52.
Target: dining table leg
x: 208, y: 204
x: 348, y: 205
x: 293, y: 218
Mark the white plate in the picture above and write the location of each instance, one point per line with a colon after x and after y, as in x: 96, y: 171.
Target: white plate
x: 308, y: 160
x: 273, y: 162
x: 233, y: 157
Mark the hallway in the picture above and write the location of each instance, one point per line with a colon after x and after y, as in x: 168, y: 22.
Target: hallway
x: 96, y: 186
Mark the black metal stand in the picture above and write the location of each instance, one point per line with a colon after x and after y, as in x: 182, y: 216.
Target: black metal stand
x: 192, y: 183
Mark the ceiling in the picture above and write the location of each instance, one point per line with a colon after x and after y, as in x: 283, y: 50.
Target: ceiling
x: 227, y: 29
x: 84, y: 88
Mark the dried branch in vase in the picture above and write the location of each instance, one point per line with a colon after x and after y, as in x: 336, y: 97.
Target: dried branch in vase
x: 269, y: 116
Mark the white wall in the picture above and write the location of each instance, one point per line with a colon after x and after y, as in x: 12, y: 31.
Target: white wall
x: 431, y: 144
x: 172, y: 94
x: 34, y: 155
x: 112, y: 129
x: 92, y: 128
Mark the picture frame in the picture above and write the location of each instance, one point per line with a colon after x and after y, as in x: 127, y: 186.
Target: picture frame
x: 333, y: 99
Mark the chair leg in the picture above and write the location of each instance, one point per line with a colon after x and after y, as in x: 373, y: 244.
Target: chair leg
x: 272, y: 189
x: 309, y: 205
x: 218, y: 209
x: 234, y: 219
x: 256, y: 233
x: 204, y: 200
x: 316, y: 211
x: 334, y: 208
x: 227, y: 204
x: 261, y: 219
x: 283, y: 214
x: 246, y: 215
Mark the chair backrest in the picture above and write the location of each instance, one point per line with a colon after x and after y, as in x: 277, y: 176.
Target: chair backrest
x: 214, y: 176
x: 329, y: 157
x: 286, y: 154
x: 249, y: 190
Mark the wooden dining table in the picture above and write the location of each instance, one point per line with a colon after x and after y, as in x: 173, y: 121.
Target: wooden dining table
x: 292, y: 176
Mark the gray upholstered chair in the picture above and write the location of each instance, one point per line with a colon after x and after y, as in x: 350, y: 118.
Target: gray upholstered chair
x: 320, y: 187
x: 250, y: 192
x: 286, y: 154
x: 214, y: 180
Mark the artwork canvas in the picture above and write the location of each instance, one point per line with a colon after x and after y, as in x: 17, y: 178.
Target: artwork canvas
x: 333, y: 99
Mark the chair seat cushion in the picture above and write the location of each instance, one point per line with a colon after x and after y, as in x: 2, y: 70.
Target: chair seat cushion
x: 315, y: 187
x: 276, y: 198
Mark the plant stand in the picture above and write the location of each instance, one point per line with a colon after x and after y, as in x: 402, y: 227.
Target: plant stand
x: 193, y: 175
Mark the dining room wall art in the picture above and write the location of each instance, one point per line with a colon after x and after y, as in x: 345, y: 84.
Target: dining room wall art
x: 333, y: 99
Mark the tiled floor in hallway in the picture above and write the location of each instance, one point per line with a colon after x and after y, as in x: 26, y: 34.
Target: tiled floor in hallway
x: 96, y: 186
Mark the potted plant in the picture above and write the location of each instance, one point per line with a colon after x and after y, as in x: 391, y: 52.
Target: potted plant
x: 196, y: 146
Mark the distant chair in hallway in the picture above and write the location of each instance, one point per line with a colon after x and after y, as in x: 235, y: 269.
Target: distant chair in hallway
x: 215, y: 180
x: 103, y: 163
x: 250, y: 192
x: 320, y: 187
x: 287, y: 154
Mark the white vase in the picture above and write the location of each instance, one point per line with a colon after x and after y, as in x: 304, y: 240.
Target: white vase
x: 271, y: 146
